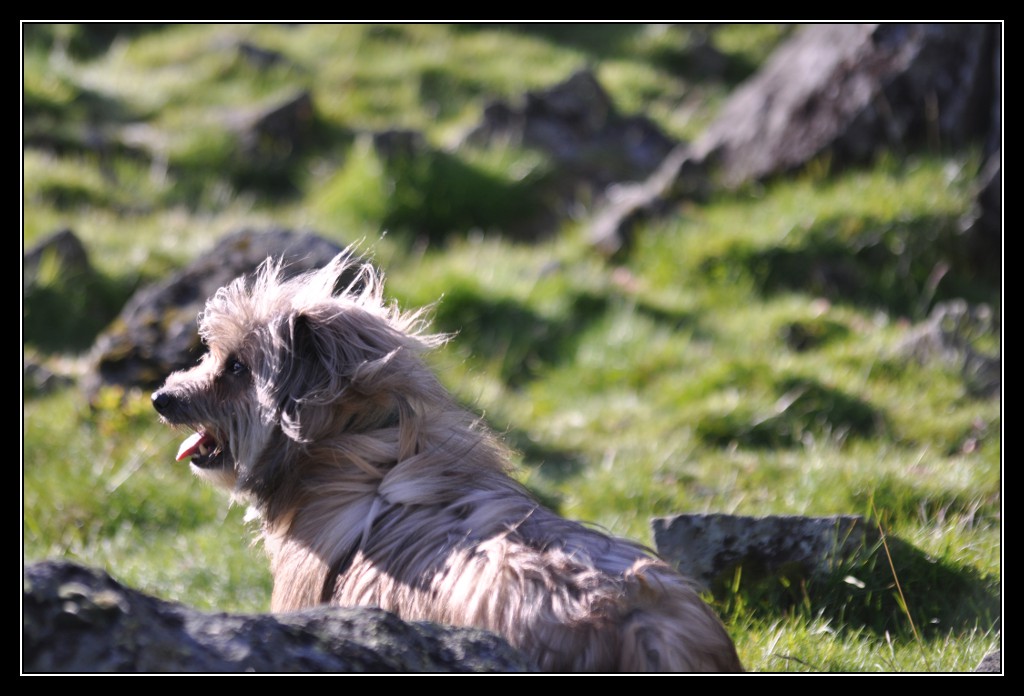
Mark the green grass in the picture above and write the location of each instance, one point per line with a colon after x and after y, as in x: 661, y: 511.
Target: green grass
x: 744, y: 356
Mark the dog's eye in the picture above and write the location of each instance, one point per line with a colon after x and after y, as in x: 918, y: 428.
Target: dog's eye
x: 237, y: 368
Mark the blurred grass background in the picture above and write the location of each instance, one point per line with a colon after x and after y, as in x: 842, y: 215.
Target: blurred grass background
x: 709, y: 369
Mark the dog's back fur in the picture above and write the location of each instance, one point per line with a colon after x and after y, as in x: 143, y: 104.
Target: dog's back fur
x: 376, y: 488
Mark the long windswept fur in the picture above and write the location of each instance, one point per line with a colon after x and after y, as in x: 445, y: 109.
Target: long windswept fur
x: 375, y: 488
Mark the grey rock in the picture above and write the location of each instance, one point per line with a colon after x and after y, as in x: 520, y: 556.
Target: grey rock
x: 709, y: 547
x: 627, y: 204
x: 156, y: 333
x: 260, y: 57
x: 841, y: 93
x: 950, y: 334
x: 847, y: 91
x: 79, y: 619
x: 276, y: 129
x: 578, y: 126
x: 991, y: 663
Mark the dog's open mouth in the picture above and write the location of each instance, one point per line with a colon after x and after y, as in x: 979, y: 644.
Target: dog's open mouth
x: 203, y: 448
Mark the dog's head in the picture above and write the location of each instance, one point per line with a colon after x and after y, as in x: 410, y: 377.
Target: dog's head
x: 293, y: 363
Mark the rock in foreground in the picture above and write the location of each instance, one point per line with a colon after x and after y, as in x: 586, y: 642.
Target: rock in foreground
x: 79, y: 619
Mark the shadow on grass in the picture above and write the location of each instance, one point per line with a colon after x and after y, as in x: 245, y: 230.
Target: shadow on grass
x: 899, y: 267
x: 548, y: 467
x: 433, y: 195
x: 863, y: 594
x: 76, y: 120
x: 275, y: 168
x: 66, y: 311
x: 803, y: 407
x: 918, y: 500
x: 523, y: 341
x: 445, y: 92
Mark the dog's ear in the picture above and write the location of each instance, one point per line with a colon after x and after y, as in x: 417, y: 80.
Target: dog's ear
x: 303, y: 376
x: 322, y: 362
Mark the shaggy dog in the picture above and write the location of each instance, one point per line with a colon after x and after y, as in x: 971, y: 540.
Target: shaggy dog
x: 375, y: 488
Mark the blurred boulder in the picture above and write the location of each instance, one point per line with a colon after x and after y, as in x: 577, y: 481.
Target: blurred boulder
x: 576, y: 124
x: 260, y: 57
x: 628, y: 203
x: 281, y: 126
x: 79, y: 619
x: 849, y: 91
x: 951, y: 334
x: 839, y: 93
x: 156, y: 333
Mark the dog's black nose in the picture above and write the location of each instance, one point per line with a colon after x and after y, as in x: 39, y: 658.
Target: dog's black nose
x: 161, y: 400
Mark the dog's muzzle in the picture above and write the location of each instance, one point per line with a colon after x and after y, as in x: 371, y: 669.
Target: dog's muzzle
x: 202, y: 448
x: 162, y: 401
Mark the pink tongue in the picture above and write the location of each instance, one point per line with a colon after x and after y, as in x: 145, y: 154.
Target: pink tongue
x: 191, y: 445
